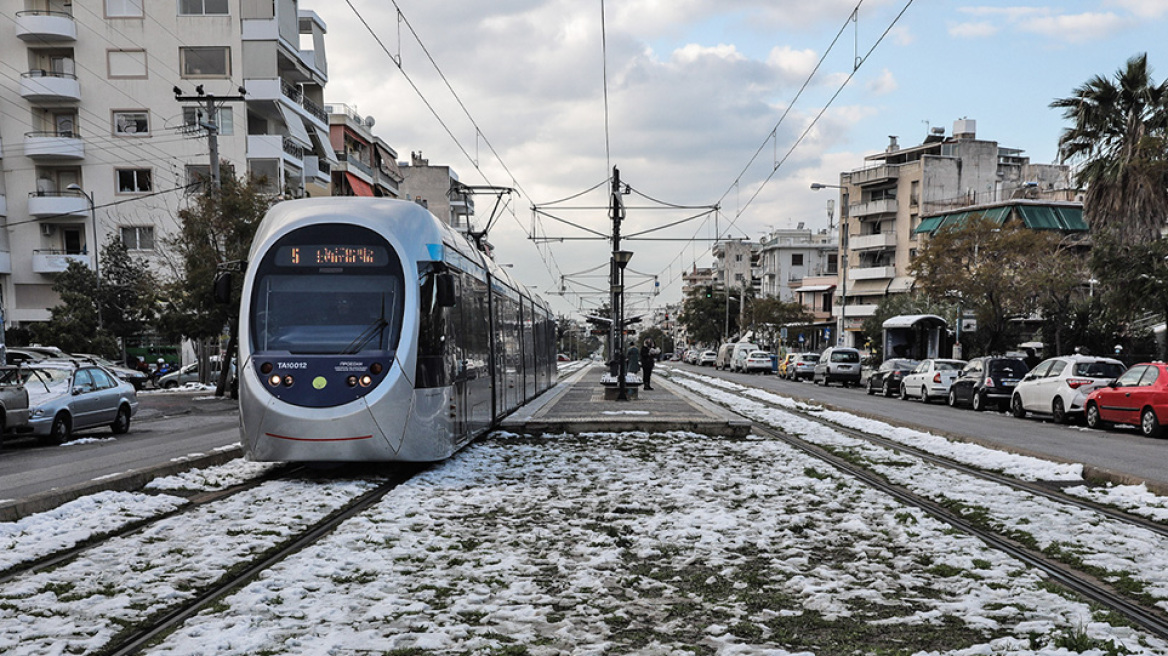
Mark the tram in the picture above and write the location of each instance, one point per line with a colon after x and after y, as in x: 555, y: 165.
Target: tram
x: 372, y: 331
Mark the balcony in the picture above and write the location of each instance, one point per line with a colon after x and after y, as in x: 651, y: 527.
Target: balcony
x: 872, y: 273
x: 45, y: 26
x: 873, y: 242
x: 56, y: 261
x: 857, y: 311
x: 53, y: 145
x: 875, y: 175
x: 43, y: 86
x: 57, y: 203
x: 355, y: 164
x: 873, y: 208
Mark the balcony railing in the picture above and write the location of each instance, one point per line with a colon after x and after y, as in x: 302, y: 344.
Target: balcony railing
x: 296, y: 95
x: 40, y: 26
x: 872, y: 273
x: 56, y: 261
x: 873, y: 208
x: 873, y: 242
x: 47, y: 86
x: 42, y: 204
x: 356, y: 163
x: 63, y: 144
x: 875, y: 174
x: 293, y: 148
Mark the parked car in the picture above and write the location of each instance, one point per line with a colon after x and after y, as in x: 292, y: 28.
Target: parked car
x: 13, y: 401
x: 189, y: 374
x: 1139, y: 397
x: 785, y: 362
x: 46, y: 351
x: 731, y: 355
x: 707, y: 358
x: 930, y: 379
x: 65, y: 397
x: 132, y: 376
x: 886, y: 379
x: 1059, y: 386
x: 986, y: 380
x: 757, y: 361
x: 21, y: 356
x: 838, y: 363
x: 563, y: 357
x: 803, y: 367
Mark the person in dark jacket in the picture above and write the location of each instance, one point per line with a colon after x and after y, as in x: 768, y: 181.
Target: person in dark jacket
x: 648, y: 359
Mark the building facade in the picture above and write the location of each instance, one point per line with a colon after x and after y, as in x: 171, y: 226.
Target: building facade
x: 366, y: 164
x: 437, y: 188
x: 96, y: 144
x: 885, y: 202
x: 786, y: 257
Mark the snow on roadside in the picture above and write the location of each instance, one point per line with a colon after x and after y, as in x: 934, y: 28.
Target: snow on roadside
x: 649, y: 544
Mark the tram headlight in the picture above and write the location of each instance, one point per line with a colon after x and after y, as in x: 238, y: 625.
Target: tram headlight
x: 366, y: 380
x: 288, y: 381
x: 274, y: 380
x: 375, y: 368
x: 351, y: 381
x: 266, y: 368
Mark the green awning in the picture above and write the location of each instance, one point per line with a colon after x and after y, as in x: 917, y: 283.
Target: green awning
x: 1038, y: 217
x: 1072, y: 218
x: 928, y: 225
x: 997, y: 214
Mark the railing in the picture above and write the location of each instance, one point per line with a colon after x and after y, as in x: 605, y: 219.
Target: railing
x: 67, y: 134
x: 324, y: 166
x: 40, y: 72
x: 56, y: 194
x: 314, y: 109
x: 356, y: 163
x: 292, y: 148
x: 296, y: 95
x: 40, y: 12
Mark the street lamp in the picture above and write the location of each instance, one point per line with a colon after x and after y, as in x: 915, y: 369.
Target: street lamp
x: 96, y: 244
x: 621, y: 260
x: 843, y: 263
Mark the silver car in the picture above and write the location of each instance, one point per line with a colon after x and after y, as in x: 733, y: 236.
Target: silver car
x: 65, y: 397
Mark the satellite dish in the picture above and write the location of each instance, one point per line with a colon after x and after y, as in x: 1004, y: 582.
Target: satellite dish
x: 369, y: 121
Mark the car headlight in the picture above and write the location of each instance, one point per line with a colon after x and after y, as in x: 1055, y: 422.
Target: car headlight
x: 38, y: 412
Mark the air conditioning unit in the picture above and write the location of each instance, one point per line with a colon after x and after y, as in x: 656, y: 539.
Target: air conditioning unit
x: 47, y: 229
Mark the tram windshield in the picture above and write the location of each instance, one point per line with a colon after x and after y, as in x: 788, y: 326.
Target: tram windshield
x: 327, y: 314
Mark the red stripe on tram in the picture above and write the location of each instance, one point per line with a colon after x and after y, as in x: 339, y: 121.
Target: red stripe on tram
x: 325, y: 439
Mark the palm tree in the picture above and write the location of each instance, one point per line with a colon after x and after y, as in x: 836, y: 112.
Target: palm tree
x: 1119, y: 134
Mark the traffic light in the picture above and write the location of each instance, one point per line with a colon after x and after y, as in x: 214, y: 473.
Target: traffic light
x: 709, y: 292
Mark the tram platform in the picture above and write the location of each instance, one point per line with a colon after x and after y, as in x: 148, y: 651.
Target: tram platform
x: 578, y: 405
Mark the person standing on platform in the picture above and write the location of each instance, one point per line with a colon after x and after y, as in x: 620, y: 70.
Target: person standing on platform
x: 648, y: 359
x: 633, y: 359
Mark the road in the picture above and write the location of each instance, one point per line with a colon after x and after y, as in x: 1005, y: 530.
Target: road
x: 1122, y: 454
x: 167, y: 427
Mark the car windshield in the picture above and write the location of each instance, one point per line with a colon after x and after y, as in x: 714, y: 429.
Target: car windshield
x: 1099, y: 369
x: 845, y: 356
x: 901, y: 364
x: 810, y: 357
x: 759, y: 355
x: 1012, y: 367
x: 949, y: 366
x: 47, y: 378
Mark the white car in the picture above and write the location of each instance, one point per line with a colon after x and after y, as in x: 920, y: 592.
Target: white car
x: 707, y: 358
x: 930, y: 379
x: 757, y: 361
x: 1059, y: 386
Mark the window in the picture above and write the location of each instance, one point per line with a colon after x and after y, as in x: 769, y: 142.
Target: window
x: 209, y: 61
x: 199, y: 175
x: 131, y: 123
x: 123, y: 8
x: 126, y: 63
x: 202, y: 7
x: 796, y: 259
x: 134, y: 181
x: 224, y: 118
x: 138, y: 238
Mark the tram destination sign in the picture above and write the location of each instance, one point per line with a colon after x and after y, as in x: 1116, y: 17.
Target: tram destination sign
x: 314, y: 255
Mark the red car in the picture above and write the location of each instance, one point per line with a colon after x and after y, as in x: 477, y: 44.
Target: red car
x: 1139, y: 397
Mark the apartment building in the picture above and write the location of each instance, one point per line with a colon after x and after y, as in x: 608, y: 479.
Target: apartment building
x: 366, y: 164
x: 735, y: 261
x: 788, y: 256
x: 95, y: 143
x: 884, y: 203
x: 437, y: 188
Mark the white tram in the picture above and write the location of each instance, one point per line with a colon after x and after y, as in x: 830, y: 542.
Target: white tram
x: 371, y: 331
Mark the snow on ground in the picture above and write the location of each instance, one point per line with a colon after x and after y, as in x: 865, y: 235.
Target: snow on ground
x: 648, y: 544
x: 606, y: 543
x: 1120, y: 553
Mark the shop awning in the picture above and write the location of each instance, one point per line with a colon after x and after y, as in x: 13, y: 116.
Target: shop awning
x: 360, y: 187
x: 295, y: 125
x: 868, y: 287
x: 1045, y: 217
x: 324, y: 147
x: 815, y: 288
x: 901, y: 285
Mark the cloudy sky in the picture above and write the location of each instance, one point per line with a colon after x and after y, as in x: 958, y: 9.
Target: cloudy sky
x: 704, y: 104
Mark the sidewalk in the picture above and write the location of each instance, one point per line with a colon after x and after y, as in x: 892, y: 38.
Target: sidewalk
x: 577, y: 405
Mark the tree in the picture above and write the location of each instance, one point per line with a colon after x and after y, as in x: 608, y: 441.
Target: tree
x: 1133, y: 278
x: 988, y: 269
x: 124, y: 299
x: 704, y: 316
x: 1118, y: 134
x: 217, y: 229
x: 660, y: 339
x: 767, y: 317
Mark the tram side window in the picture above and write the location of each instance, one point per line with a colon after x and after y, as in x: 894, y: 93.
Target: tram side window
x: 433, y: 369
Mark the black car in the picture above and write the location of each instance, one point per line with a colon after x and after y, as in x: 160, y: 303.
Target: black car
x: 985, y: 380
x: 887, y: 377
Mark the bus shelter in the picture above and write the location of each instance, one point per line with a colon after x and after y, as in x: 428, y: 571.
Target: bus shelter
x: 915, y: 336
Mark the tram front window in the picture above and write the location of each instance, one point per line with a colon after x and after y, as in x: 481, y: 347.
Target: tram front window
x: 327, y: 314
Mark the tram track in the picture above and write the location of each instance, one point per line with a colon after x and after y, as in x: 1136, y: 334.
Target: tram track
x: 1084, y: 583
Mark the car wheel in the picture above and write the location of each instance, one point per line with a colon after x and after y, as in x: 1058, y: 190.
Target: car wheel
x: 1149, y: 425
x: 61, y: 430
x: 170, y: 384
x: 952, y: 399
x: 924, y: 395
x: 871, y: 390
x: 903, y: 392
x: 121, y: 424
x: 1016, y: 407
x: 978, y: 401
x: 887, y: 388
x: 1059, y: 411
x: 1094, y: 419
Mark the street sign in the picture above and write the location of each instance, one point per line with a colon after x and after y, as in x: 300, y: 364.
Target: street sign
x: 969, y: 325
x: 783, y: 332
x: 801, y: 338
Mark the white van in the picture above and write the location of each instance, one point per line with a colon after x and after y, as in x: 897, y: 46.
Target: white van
x: 732, y: 355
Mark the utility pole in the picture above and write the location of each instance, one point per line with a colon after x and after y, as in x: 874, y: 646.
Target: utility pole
x: 211, y: 125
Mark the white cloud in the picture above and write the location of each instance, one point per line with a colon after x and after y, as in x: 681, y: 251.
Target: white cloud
x: 884, y: 84
x: 1076, y: 28
x: 794, y: 64
x: 977, y: 30
x: 1141, y: 8
x: 692, y: 52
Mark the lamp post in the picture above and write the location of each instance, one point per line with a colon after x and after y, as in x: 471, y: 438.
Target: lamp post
x: 620, y: 260
x: 96, y: 244
x: 843, y: 263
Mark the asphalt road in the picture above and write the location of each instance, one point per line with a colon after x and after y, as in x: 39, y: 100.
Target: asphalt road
x: 1120, y: 455
x: 167, y: 428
